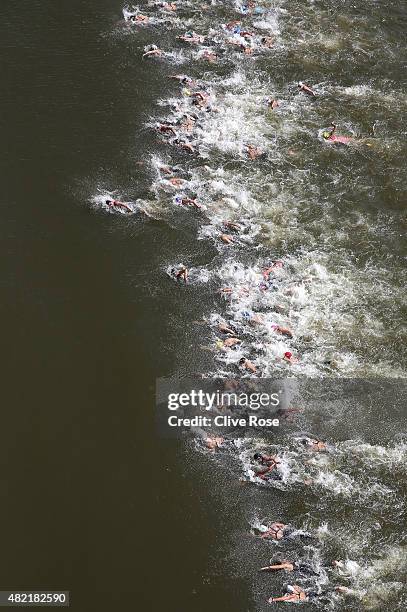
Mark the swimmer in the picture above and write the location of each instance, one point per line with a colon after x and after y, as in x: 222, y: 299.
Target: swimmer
x: 182, y: 274
x: 330, y: 136
x: 265, y: 285
x: 267, y: 41
x: 177, y: 182
x: 209, y: 56
x: 187, y: 123
x: 248, y: 7
x: 224, y: 329
x: 182, y: 78
x: 234, y: 41
x: 248, y: 365
x: 226, y: 239
x: 274, y: 266
x: 256, y: 320
x: 232, y: 226
x: 139, y: 18
x: 246, y: 49
x: 288, y: 566
x: 303, y: 87
x: 344, y: 590
x: 233, y: 24
x: 166, y: 128
x: 315, y: 445
x: 284, y: 565
x: 185, y: 146
x: 117, y: 204
x: 275, y: 532
x: 284, y: 331
x: 214, y: 442
x: 169, y: 6
x: 229, y: 342
x: 192, y: 37
x: 253, y: 152
x: 266, y: 459
x: 288, y: 356
x: 200, y: 98
x: 272, y: 103
x: 203, y: 95
x: 270, y: 461
x: 167, y: 169
x: 294, y: 593
x: 153, y: 50
x: 188, y: 202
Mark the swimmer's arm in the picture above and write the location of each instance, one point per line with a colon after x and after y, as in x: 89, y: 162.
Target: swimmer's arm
x: 269, y: 457
x: 261, y: 473
x: 283, y: 598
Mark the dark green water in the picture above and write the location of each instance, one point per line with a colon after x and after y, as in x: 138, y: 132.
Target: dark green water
x: 92, y: 501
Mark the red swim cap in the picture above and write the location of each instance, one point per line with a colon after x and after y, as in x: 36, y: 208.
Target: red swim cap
x: 288, y: 355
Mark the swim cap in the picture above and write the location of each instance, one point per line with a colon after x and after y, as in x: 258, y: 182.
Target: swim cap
x: 288, y: 354
x: 326, y: 134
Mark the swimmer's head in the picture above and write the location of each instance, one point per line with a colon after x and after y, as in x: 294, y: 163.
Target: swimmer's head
x: 108, y: 201
x: 256, y: 456
x: 326, y: 135
x: 242, y: 361
x: 288, y: 354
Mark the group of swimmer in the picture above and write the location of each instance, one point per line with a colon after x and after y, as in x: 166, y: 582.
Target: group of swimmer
x: 295, y: 593
x: 278, y: 531
x: 269, y: 463
x: 306, y: 571
x: 180, y: 132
